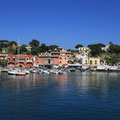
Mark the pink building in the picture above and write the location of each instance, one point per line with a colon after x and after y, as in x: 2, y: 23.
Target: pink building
x: 55, y: 58
x: 47, y: 59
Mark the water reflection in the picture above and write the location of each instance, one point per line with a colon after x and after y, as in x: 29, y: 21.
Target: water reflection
x: 99, y: 83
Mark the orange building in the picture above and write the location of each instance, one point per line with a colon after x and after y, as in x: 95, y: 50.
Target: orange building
x: 57, y: 57
x: 22, y: 60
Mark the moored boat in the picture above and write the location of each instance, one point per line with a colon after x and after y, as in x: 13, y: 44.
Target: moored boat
x: 20, y: 73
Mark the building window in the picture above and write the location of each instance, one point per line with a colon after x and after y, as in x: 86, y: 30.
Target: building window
x: 48, y: 61
x: 95, y: 61
x: 13, y: 58
x: 90, y: 62
x: 60, y: 58
x: 32, y: 59
x: 80, y: 61
x: 8, y: 59
x: 65, y: 58
x: 27, y: 58
x: 60, y: 62
x: 86, y: 62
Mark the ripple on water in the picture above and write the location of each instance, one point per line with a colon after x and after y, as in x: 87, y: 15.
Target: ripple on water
x: 77, y: 95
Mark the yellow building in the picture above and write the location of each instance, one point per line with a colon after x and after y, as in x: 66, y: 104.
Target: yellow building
x: 94, y: 61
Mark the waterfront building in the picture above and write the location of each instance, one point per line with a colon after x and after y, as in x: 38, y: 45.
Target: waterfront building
x: 22, y: 60
x: 64, y: 57
x: 57, y: 57
x: 83, y: 55
x: 46, y: 59
x: 94, y: 61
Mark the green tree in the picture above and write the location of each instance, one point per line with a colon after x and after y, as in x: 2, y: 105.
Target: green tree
x: 114, y: 48
x: 53, y: 47
x: 112, y: 60
x: 96, y: 49
x: 79, y: 45
x: 43, y: 48
x: 12, y: 43
x: 70, y: 50
x: 3, y: 62
x: 34, y: 43
x: 23, y: 49
x: 3, y: 44
x: 35, y: 51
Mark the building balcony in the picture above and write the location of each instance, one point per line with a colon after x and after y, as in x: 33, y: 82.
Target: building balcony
x: 20, y: 61
x: 29, y: 61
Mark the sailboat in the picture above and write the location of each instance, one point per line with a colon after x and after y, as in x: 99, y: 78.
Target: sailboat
x: 18, y: 71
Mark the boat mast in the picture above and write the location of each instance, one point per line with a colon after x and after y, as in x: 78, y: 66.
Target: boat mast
x: 18, y: 52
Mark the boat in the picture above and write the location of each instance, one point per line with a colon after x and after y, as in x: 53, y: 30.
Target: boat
x: 27, y: 71
x: 17, y: 72
x: 12, y: 72
x: 20, y: 73
x: 72, y: 69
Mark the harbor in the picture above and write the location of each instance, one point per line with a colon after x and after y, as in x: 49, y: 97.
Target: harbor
x: 59, y: 59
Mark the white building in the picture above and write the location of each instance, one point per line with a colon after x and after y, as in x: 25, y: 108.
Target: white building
x: 83, y: 55
x: 29, y: 48
x: 106, y: 48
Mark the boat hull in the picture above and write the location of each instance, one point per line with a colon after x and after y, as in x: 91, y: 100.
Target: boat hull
x: 20, y: 74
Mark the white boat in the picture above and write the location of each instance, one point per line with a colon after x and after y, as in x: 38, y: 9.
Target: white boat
x: 17, y: 72
x: 46, y: 72
x: 12, y: 72
x: 54, y: 71
x: 27, y: 71
x: 101, y: 68
x: 113, y: 68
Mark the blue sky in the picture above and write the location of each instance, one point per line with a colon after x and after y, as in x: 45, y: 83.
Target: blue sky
x: 62, y: 22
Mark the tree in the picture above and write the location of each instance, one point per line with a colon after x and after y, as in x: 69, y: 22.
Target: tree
x: 35, y: 51
x: 114, y: 48
x: 23, y: 49
x: 3, y: 62
x: 70, y: 50
x: 3, y: 43
x: 12, y: 43
x: 34, y: 43
x: 112, y: 60
x: 110, y: 43
x: 98, y: 45
x: 79, y: 45
x: 43, y: 48
x: 53, y: 47
x: 96, y: 49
